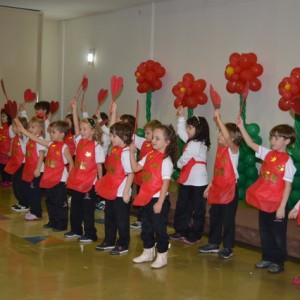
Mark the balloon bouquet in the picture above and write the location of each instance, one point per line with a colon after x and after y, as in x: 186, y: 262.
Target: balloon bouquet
x: 289, y: 89
x: 241, y: 73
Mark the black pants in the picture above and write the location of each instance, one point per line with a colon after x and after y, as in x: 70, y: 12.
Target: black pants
x: 33, y: 194
x: 57, y: 207
x: 222, y: 218
x: 18, y: 187
x: 5, y: 177
x: 117, y: 214
x: 154, y: 226
x: 190, y: 211
x: 273, y: 237
x: 82, y: 211
x: 137, y: 208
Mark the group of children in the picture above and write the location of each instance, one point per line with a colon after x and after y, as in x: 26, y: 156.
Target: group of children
x: 78, y: 158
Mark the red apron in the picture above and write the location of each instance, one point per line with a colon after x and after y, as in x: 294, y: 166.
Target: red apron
x: 4, y: 143
x: 31, y: 160
x: 107, y: 186
x: 69, y: 140
x: 266, y: 192
x: 151, y: 178
x: 54, y: 166
x: 17, y: 157
x: 223, y: 186
x: 84, y: 172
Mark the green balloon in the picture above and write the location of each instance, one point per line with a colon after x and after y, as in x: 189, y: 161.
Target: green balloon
x: 257, y: 139
x: 242, y: 179
x: 252, y: 129
x: 250, y: 160
x: 294, y: 198
x: 241, y: 167
x: 241, y: 193
x: 251, y: 172
x: 296, y: 182
x: 140, y: 132
x: 294, y: 153
x: 249, y: 182
x: 175, y: 175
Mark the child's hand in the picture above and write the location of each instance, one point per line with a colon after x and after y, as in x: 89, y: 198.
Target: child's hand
x: 19, y: 125
x: 37, y: 173
x: 239, y: 122
x: 217, y: 114
x: 280, y: 213
x: 113, y: 107
x: 83, y: 105
x: 132, y: 148
x: 97, y: 114
x: 157, y: 207
x: 180, y: 111
x: 293, y: 214
x: 205, y: 193
x: 21, y: 106
x: 126, y: 197
x: 73, y: 103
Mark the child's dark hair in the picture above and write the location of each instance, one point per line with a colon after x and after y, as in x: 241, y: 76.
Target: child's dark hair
x: 44, y: 105
x: 152, y: 124
x: 286, y: 131
x: 170, y: 135
x: 123, y: 130
x: 9, y: 120
x: 70, y: 118
x: 201, y: 130
x: 23, y: 121
x: 60, y: 126
x: 130, y: 119
x: 235, y: 133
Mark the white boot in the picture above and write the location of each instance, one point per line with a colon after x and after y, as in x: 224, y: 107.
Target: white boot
x: 147, y: 255
x: 161, y: 260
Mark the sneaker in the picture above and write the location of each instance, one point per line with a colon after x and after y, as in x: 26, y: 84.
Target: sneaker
x: 136, y: 225
x: 118, y: 250
x: 14, y: 206
x: 104, y: 246
x: 86, y: 239
x: 176, y: 236
x: 225, y: 253
x: 190, y: 240
x: 31, y: 217
x: 100, y: 205
x: 296, y: 280
x: 48, y: 226
x: 21, y: 208
x: 275, y: 268
x: 263, y: 264
x: 71, y: 235
x: 209, y: 248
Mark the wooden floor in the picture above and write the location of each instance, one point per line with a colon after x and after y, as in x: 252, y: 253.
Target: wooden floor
x: 36, y: 263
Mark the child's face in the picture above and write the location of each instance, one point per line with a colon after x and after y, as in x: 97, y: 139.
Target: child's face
x: 15, y: 128
x: 34, y: 128
x: 86, y: 131
x: 148, y: 134
x: 69, y: 122
x: 56, y: 136
x: 3, y: 118
x: 221, y: 139
x: 159, y: 141
x: 190, y: 130
x: 279, y: 143
x: 40, y: 111
x: 116, y: 140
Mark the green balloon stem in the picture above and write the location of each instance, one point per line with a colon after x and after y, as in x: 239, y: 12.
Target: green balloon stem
x: 190, y: 112
x: 148, y: 106
x: 297, y: 130
x: 243, y: 108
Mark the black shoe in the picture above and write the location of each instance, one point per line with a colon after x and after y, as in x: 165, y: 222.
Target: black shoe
x: 209, y: 248
x: 225, y: 253
x: 59, y: 229
x: 275, y: 268
x: 118, y: 250
x: 71, y: 235
x: 176, y: 236
x: 86, y: 239
x: 191, y: 240
x: 263, y: 264
x: 48, y: 226
x: 104, y: 246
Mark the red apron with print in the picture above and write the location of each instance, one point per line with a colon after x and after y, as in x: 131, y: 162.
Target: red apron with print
x: 223, y: 186
x: 84, y: 171
x: 107, y: 186
x: 266, y: 192
x: 5, y: 141
x: 31, y: 160
x: 151, y: 178
x: 17, y: 157
x: 145, y: 149
x: 69, y: 140
x: 298, y: 221
x: 54, y: 166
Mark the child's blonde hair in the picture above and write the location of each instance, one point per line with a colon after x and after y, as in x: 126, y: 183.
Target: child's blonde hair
x: 40, y: 123
x: 94, y: 125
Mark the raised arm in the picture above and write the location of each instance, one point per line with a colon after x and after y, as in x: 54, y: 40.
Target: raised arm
x: 246, y: 136
x: 75, y: 116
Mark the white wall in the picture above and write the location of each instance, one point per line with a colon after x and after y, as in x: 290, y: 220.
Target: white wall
x: 194, y: 36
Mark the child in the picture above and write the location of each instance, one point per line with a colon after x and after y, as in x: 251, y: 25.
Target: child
x: 15, y: 166
x: 295, y: 212
x: 81, y: 180
x: 115, y: 188
x: 55, y: 174
x: 153, y: 196
x: 69, y: 138
x: 33, y: 168
x: 6, y: 135
x: 190, y: 210
x: 270, y: 194
x: 144, y: 146
x: 222, y: 191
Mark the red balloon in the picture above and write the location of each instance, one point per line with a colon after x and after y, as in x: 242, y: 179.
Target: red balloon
x: 252, y: 58
x: 176, y: 90
x: 145, y: 87
x: 296, y: 72
x: 191, y: 102
x: 139, y: 89
x: 235, y: 77
x: 187, y: 83
x: 294, y: 89
x: 257, y: 70
x: 150, y: 76
x: 295, y: 105
x: 156, y: 84
x: 198, y: 86
x: 189, y: 92
x: 140, y: 79
x: 293, y: 79
x: 230, y: 86
x: 142, y: 68
x: 287, y: 95
x: 246, y: 75
x: 150, y: 65
x: 234, y: 58
x: 160, y: 72
x: 237, y: 69
x: 202, y: 98
x: 239, y: 87
x: 255, y: 85
x: 177, y: 102
x: 188, y: 77
x: 245, y: 61
x: 284, y: 104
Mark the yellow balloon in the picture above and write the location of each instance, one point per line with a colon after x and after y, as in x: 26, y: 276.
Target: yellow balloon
x: 229, y: 70
x: 287, y: 87
x: 137, y: 74
x: 182, y: 89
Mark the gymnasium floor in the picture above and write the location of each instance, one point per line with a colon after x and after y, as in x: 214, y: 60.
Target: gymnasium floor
x: 36, y: 263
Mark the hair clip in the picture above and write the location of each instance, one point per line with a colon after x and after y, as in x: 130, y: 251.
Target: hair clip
x: 92, y: 122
